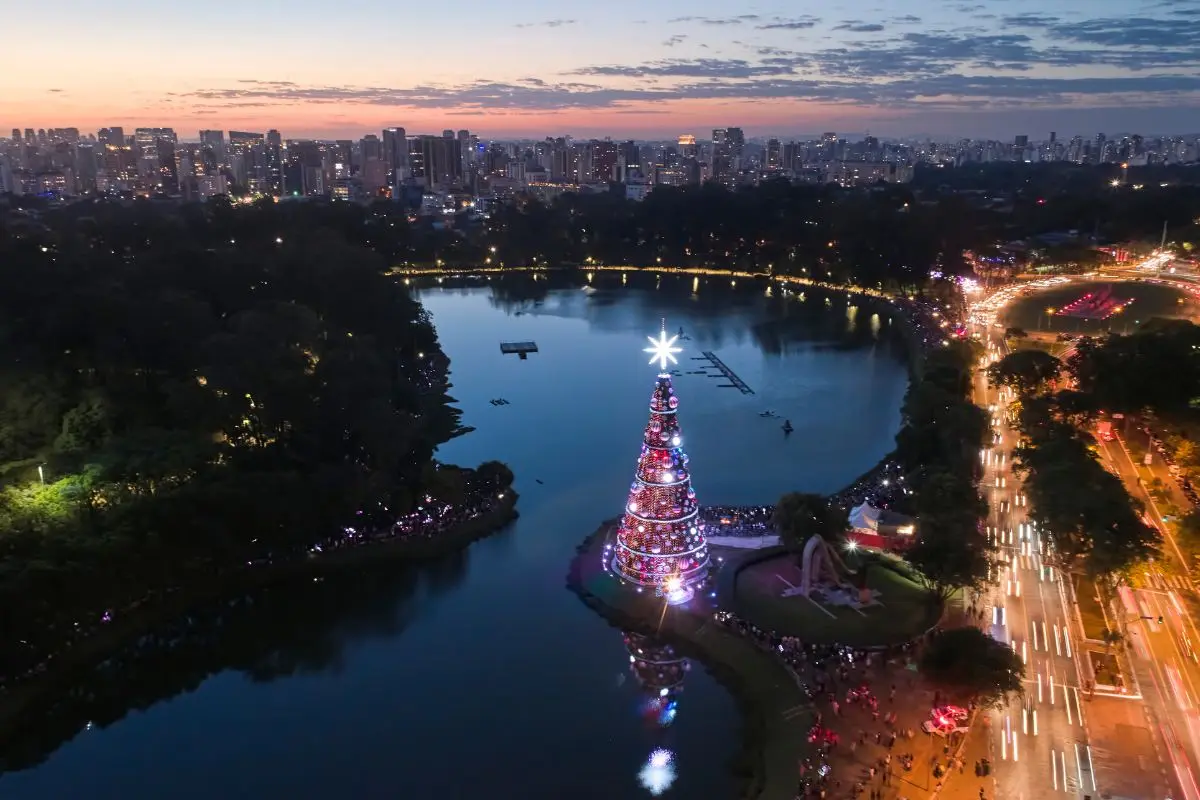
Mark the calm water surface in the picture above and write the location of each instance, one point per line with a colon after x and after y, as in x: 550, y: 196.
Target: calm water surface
x: 481, y: 675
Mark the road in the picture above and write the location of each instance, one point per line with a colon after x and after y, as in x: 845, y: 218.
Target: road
x: 1079, y: 739
x: 1142, y: 742
x: 1161, y: 632
x: 1040, y: 744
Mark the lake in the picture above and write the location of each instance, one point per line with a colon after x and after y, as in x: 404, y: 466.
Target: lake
x: 481, y: 675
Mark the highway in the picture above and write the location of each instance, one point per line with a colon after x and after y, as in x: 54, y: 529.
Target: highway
x: 1083, y: 738
x: 1040, y: 744
x: 1161, y: 632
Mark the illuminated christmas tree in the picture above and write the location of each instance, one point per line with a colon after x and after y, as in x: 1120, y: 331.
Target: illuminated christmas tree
x: 660, y: 541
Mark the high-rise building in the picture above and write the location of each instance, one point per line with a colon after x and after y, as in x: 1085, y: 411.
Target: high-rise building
x: 112, y: 137
x: 166, y: 172
x: 8, y: 181
x: 604, y: 160
x: 436, y: 161
x: 274, y: 157
x: 212, y: 145
x: 773, y: 155
x: 395, y: 152
x: 1021, y: 142
x: 631, y: 154
x: 247, y: 158
x: 86, y: 165
x: 725, y: 152
x: 16, y: 136
x: 464, y: 152
x: 372, y: 148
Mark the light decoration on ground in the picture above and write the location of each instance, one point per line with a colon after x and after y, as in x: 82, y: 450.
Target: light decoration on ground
x: 658, y: 773
x: 660, y: 540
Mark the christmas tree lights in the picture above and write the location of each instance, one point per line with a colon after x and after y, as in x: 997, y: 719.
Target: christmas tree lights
x: 660, y: 541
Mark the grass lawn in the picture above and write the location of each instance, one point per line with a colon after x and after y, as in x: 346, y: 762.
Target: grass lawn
x: 1090, y: 610
x: 905, y: 612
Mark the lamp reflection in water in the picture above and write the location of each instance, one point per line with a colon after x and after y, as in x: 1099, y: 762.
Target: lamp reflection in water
x: 659, y: 671
x: 658, y: 773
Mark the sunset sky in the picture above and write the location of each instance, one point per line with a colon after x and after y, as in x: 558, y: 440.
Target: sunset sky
x: 621, y: 68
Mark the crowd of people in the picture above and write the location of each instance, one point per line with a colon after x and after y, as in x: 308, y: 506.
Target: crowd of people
x: 840, y: 680
x: 882, y: 487
x: 738, y: 520
x: 428, y: 521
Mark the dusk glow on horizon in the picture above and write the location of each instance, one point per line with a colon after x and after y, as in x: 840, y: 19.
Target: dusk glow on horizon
x: 621, y: 68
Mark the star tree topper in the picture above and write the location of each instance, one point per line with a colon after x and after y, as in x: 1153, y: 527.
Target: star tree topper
x: 663, y: 349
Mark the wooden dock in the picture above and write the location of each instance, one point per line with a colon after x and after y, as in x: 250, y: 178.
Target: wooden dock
x: 734, y: 381
x: 522, y: 349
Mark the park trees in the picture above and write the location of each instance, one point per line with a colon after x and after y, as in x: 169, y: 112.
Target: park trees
x: 1093, y: 525
x: 1025, y: 370
x: 972, y: 666
x: 799, y: 516
x: 1156, y: 367
x: 187, y: 389
x: 949, y: 553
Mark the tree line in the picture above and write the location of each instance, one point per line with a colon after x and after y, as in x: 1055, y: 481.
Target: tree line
x: 885, y: 235
x: 1081, y: 509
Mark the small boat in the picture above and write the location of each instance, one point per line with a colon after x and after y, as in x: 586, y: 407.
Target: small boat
x: 787, y: 426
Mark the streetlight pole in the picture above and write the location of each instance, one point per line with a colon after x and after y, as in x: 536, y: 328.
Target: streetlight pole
x: 41, y: 475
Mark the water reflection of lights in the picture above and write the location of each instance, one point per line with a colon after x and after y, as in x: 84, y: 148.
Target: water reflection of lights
x: 658, y: 773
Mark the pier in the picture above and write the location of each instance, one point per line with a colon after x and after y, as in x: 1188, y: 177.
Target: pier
x: 734, y: 381
x: 522, y: 349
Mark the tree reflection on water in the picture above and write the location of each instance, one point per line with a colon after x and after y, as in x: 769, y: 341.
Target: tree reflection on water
x: 286, y: 629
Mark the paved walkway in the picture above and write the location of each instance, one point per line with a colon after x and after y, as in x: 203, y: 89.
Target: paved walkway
x: 860, y: 749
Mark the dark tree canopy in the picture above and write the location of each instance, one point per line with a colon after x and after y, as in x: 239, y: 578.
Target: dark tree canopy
x: 799, y: 516
x: 1091, y: 522
x: 1025, y: 370
x: 199, y: 387
x: 950, y: 553
x: 971, y: 666
x: 942, y: 429
x: 1157, y: 367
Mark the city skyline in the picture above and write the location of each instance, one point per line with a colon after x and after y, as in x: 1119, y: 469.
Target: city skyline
x: 986, y: 69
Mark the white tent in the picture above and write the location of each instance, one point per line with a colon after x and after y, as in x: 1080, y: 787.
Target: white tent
x: 881, y: 521
x: 864, y: 517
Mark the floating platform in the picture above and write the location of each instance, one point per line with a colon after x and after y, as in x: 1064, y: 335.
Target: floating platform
x: 730, y: 375
x: 522, y: 349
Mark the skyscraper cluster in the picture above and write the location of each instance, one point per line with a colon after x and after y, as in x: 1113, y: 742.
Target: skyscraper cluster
x: 155, y: 162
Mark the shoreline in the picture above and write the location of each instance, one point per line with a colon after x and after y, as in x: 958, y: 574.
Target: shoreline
x: 765, y: 762
x: 24, y: 696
